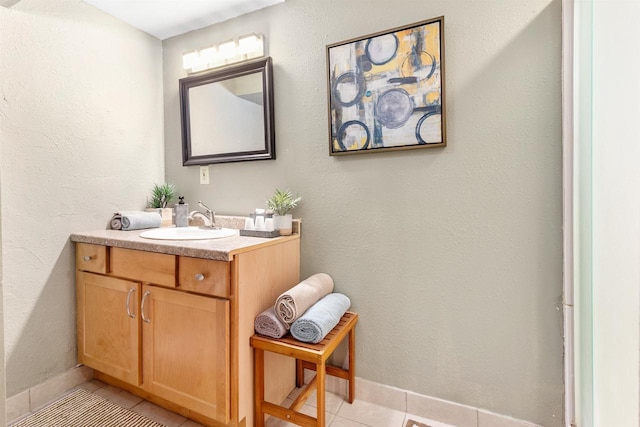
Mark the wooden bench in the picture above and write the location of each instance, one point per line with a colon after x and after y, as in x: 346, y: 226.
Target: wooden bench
x: 308, y: 356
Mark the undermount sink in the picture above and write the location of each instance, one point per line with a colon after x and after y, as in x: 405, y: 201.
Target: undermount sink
x: 188, y: 233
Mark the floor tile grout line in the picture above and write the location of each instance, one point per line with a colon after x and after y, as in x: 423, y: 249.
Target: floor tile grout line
x: 338, y: 408
x: 406, y: 402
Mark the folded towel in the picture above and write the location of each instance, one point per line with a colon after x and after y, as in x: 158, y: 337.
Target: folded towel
x: 267, y: 323
x: 291, y: 304
x: 135, y: 220
x: 320, y: 319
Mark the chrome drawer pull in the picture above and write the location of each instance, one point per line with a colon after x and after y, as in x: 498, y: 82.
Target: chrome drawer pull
x: 144, y: 298
x: 199, y: 277
x: 129, y: 313
x: 87, y: 258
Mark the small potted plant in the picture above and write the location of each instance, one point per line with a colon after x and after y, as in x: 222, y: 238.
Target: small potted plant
x: 281, y: 202
x: 161, y: 196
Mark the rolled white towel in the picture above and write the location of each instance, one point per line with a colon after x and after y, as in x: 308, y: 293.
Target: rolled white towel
x: 321, y: 318
x: 293, y: 303
x: 135, y: 220
x: 267, y: 323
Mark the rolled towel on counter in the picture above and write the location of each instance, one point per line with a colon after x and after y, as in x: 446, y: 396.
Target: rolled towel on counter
x: 267, y: 323
x: 135, y: 220
x: 321, y: 318
x: 293, y: 303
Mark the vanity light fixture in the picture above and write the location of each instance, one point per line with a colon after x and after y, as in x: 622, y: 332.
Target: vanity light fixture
x: 228, y: 52
x: 227, y: 49
x: 190, y: 59
x: 208, y: 54
x: 207, y: 58
x: 250, y: 43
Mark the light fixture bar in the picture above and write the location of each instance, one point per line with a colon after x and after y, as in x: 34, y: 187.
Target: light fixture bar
x: 227, y: 52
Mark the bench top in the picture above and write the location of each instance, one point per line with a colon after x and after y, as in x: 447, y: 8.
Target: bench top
x: 310, y: 352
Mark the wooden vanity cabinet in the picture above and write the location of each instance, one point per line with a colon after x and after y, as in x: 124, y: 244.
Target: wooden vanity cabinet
x: 182, y: 343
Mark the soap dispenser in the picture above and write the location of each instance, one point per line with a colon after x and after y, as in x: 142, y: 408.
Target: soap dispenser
x: 182, y: 213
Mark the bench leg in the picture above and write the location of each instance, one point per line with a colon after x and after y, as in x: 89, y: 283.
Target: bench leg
x: 299, y: 373
x: 320, y: 393
x: 258, y: 375
x: 352, y: 365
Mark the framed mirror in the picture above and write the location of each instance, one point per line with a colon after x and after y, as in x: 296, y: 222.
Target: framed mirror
x: 227, y: 114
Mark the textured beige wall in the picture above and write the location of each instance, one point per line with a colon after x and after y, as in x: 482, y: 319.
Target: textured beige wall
x: 451, y: 256
x: 81, y: 122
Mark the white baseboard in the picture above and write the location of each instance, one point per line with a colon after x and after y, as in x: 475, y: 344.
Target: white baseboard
x: 40, y: 395
x: 421, y: 405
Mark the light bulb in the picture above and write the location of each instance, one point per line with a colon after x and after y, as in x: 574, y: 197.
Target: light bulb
x: 227, y: 49
x: 190, y: 59
x: 208, y: 54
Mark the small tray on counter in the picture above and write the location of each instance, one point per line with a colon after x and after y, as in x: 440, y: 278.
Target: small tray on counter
x: 260, y: 233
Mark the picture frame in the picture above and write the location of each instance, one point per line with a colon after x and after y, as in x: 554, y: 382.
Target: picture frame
x: 386, y: 90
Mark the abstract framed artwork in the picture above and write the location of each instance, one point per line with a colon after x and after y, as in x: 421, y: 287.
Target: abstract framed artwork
x: 386, y: 90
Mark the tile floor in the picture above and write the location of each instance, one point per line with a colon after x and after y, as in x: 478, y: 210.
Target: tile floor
x: 360, y: 413
x: 127, y: 400
x: 339, y: 413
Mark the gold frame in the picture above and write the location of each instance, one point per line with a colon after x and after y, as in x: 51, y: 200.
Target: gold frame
x: 367, y: 102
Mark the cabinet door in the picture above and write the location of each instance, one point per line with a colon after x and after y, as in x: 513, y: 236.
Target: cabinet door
x: 186, y: 350
x: 108, y: 325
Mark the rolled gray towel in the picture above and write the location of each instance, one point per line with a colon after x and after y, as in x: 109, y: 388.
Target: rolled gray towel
x: 291, y: 304
x: 135, y: 220
x: 267, y: 323
x: 321, y: 318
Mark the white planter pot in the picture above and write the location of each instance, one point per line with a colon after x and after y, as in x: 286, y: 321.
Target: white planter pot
x: 284, y: 224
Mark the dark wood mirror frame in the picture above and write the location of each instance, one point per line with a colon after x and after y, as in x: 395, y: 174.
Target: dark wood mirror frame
x: 263, y: 66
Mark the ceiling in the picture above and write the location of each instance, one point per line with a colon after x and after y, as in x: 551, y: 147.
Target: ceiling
x: 8, y: 3
x: 168, y: 18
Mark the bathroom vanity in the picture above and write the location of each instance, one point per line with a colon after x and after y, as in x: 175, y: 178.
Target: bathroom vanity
x: 170, y: 321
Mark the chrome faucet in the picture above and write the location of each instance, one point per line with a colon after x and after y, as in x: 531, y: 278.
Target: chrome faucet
x: 209, y: 217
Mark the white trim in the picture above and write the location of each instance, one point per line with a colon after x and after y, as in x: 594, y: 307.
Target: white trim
x: 40, y: 395
x: 420, y: 405
x: 567, y: 203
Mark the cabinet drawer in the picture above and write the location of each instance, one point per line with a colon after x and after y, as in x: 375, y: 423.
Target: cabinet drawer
x: 150, y: 267
x: 91, y: 258
x: 204, y: 276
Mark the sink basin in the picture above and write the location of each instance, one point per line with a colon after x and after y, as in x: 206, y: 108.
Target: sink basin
x: 188, y: 233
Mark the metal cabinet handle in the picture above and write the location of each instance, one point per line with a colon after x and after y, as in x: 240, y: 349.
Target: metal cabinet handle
x: 129, y: 313
x: 144, y: 298
x: 87, y: 258
x: 200, y: 277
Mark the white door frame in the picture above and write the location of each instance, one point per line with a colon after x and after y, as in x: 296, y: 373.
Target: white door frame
x: 567, y: 203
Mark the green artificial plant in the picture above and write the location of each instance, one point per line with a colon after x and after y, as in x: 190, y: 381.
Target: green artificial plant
x: 282, y: 201
x: 162, y: 195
